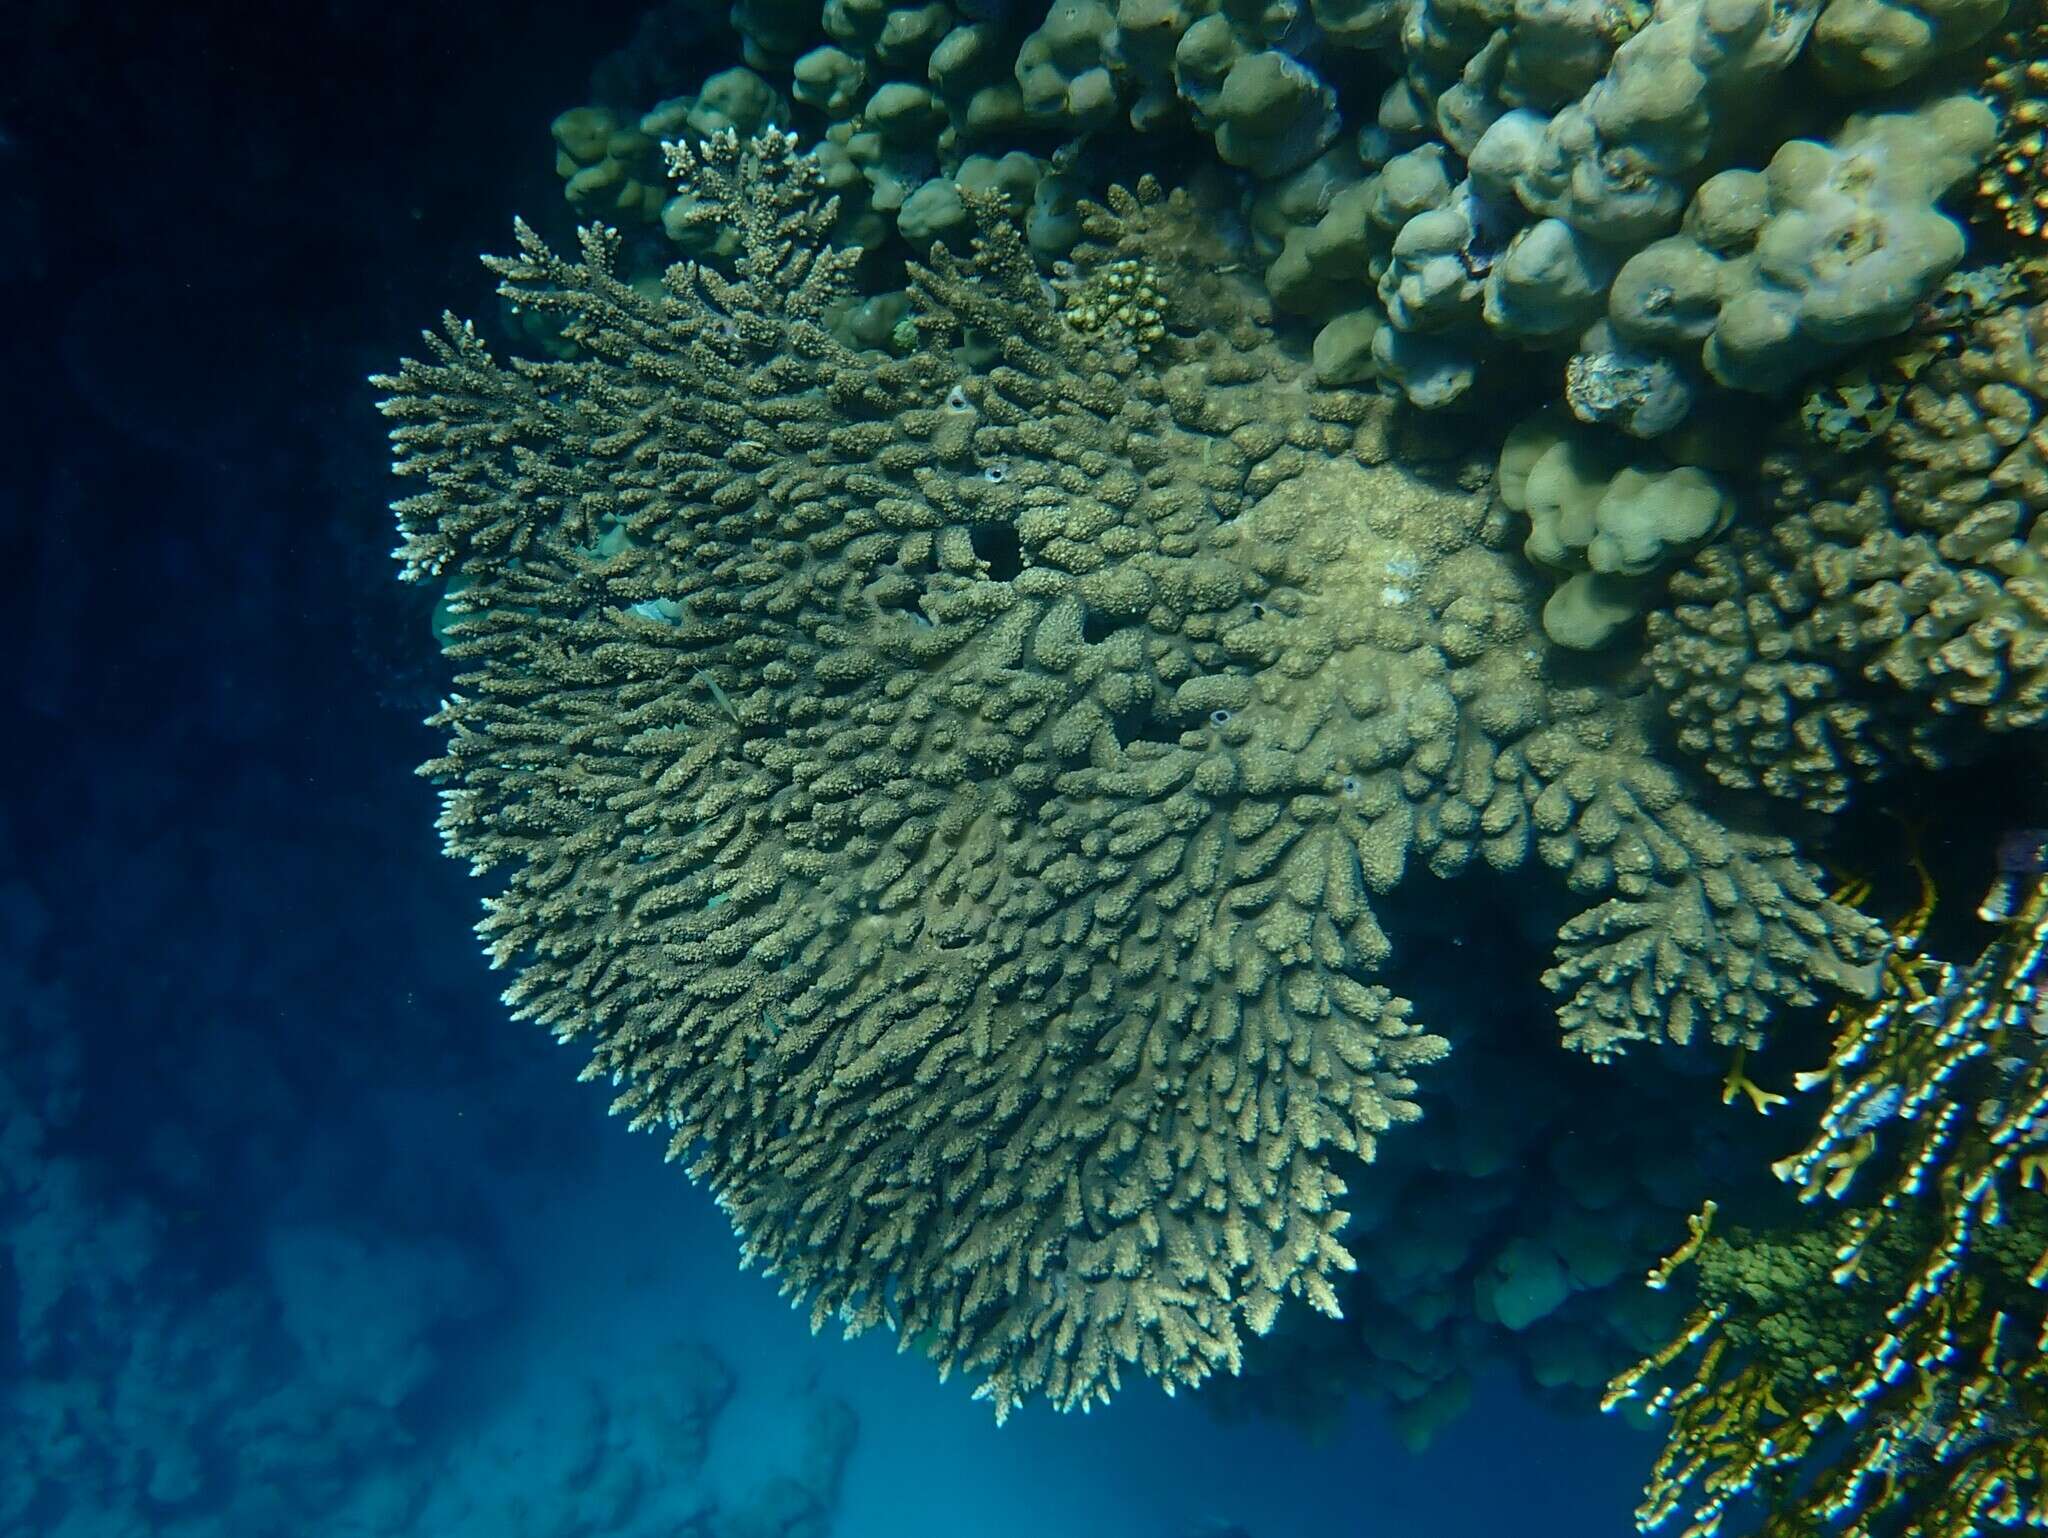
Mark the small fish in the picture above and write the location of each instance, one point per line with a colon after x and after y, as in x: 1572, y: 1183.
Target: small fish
x: 724, y: 700
x: 663, y: 611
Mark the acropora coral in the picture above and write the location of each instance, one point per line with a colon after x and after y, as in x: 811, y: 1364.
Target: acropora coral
x: 949, y: 791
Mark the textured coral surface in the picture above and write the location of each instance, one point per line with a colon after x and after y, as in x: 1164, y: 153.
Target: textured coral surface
x: 1899, y: 586
x: 950, y: 790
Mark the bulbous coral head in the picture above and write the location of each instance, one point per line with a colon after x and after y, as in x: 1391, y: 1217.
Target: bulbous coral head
x: 948, y: 797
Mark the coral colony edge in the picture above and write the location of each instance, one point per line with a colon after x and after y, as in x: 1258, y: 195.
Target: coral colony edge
x: 966, y: 622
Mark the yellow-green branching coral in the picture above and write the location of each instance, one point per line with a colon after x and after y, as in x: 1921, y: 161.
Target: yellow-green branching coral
x: 949, y: 791
x: 2012, y: 188
x: 1886, y: 1371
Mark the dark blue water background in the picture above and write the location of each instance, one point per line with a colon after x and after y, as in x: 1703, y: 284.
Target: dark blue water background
x: 297, y: 1235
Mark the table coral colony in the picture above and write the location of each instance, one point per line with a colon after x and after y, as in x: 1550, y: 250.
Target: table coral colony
x: 952, y: 797
x: 959, y: 646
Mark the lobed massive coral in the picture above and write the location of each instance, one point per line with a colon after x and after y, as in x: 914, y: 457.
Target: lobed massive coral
x: 950, y: 791
x: 1639, y: 199
x: 1777, y: 271
x: 1608, y: 526
x: 1591, y: 193
x: 1901, y: 591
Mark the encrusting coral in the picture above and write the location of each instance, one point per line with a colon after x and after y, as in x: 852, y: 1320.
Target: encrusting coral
x: 949, y: 791
x: 1886, y: 1372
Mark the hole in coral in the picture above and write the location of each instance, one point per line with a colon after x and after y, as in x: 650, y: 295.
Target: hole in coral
x: 997, y: 544
x: 1143, y: 725
x: 1096, y: 628
x: 905, y: 599
x: 896, y: 591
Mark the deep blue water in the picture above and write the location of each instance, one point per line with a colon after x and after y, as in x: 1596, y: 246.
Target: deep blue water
x: 297, y: 1235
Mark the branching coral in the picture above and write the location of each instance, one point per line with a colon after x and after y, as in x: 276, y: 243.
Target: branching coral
x: 2013, y: 187
x: 1802, y: 658
x: 949, y: 790
x: 1888, y: 1373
